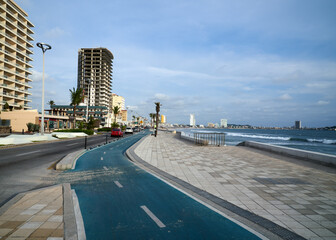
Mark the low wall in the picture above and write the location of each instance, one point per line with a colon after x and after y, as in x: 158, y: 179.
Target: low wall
x: 321, y: 158
x: 4, y: 130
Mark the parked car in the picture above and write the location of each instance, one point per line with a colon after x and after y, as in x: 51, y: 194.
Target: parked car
x: 116, y: 132
x: 129, y: 130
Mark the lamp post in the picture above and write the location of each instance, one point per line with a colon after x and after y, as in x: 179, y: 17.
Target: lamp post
x: 87, y: 106
x: 44, y: 48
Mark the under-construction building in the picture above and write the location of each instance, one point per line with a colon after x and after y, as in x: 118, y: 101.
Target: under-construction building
x: 95, y: 67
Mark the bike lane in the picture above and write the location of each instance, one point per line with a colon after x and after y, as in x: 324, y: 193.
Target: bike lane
x: 119, y: 200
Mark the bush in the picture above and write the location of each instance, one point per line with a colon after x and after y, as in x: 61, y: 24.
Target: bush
x: 30, y: 126
x: 88, y: 132
x: 114, y: 125
x: 105, y: 129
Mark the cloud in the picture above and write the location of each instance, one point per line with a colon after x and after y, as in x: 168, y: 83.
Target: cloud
x: 285, y: 96
x: 321, y: 102
x: 55, y: 32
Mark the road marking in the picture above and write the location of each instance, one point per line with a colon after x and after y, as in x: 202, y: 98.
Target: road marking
x: 101, y: 158
x: 72, y: 144
x: 118, y: 184
x: 105, y: 168
x: 153, y: 217
x: 104, y: 152
x: 27, y: 153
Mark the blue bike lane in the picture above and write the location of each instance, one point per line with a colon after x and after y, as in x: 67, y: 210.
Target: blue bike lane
x: 119, y: 200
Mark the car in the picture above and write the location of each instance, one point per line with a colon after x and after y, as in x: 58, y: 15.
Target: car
x: 116, y: 132
x: 129, y: 130
x: 136, y: 129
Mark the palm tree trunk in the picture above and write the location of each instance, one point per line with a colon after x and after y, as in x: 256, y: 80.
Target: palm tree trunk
x: 74, y: 126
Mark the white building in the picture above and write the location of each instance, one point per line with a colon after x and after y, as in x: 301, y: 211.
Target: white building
x: 223, y: 123
x: 192, y: 120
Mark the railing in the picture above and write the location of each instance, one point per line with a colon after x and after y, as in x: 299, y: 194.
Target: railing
x: 217, y: 139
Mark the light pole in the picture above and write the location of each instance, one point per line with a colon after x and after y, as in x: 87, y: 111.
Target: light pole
x: 44, y: 48
x: 87, y: 106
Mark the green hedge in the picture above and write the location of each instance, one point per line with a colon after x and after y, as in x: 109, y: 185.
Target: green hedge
x: 105, y: 129
x: 88, y: 132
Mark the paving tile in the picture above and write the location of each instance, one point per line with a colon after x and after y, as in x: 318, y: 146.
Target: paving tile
x: 42, y: 232
x: 22, y: 233
x: 31, y: 225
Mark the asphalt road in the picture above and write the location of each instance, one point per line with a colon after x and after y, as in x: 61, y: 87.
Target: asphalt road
x: 119, y: 200
x: 26, y: 168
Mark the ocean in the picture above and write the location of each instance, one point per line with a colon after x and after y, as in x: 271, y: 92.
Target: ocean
x: 310, y: 140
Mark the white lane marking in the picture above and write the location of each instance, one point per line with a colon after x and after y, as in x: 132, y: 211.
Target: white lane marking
x: 118, y: 184
x: 72, y: 144
x: 21, y: 154
x: 104, y: 152
x: 101, y: 158
x: 105, y: 168
x: 153, y: 217
x: 78, y: 216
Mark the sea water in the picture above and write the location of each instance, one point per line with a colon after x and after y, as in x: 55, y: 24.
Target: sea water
x: 311, y: 140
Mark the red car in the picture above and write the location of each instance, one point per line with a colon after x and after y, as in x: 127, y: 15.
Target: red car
x: 116, y: 132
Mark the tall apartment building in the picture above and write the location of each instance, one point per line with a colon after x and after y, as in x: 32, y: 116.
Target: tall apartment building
x: 223, y: 123
x: 297, y: 124
x: 192, y: 120
x: 15, y: 56
x: 95, y: 75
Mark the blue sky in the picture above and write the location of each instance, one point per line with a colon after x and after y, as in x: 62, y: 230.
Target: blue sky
x: 261, y: 62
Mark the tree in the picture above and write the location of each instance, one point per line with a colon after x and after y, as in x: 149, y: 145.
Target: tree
x: 76, y: 96
x: 6, y: 106
x: 157, y: 108
x: 151, y: 118
x: 116, y: 111
x: 51, y: 103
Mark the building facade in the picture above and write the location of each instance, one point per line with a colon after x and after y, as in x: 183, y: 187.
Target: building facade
x: 192, y: 120
x: 95, y: 68
x: 223, y: 123
x: 163, y: 118
x: 297, y: 124
x: 117, y: 100
x: 97, y: 112
x: 15, y: 56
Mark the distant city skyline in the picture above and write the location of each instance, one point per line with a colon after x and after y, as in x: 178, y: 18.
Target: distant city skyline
x: 265, y: 63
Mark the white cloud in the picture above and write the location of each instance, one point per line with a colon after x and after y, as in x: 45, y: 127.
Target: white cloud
x: 55, y: 32
x: 285, y: 96
x: 321, y: 102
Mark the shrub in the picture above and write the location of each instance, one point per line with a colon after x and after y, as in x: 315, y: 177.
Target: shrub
x: 105, y: 129
x: 88, y: 132
x: 30, y: 126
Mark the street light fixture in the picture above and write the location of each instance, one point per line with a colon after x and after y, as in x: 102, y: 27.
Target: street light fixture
x: 44, y: 48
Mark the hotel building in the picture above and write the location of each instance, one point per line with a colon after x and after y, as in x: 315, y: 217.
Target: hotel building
x: 15, y: 56
x: 95, y: 75
x: 192, y: 120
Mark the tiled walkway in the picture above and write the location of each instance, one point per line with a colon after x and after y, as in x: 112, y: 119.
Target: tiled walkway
x: 295, y: 196
x: 37, y: 215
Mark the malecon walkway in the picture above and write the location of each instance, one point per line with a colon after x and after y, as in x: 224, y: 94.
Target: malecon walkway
x: 296, y: 195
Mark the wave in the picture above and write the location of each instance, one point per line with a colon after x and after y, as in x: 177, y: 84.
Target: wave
x: 257, y: 136
x: 323, y: 141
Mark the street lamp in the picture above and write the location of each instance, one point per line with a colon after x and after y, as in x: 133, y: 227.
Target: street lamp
x: 89, y: 98
x: 44, y: 48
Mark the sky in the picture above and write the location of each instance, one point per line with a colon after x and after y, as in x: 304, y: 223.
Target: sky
x: 261, y: 62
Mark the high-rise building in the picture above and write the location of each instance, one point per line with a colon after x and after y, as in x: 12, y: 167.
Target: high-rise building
x: 192, y: 120
x: 15, y: 56
x: 297, y: 124
x: 117, y: 100
x: 95, y: 75
x: 223, y: 123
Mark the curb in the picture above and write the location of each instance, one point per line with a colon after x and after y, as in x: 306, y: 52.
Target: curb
x: 69, y: 161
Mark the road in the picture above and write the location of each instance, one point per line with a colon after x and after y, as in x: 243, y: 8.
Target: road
x: 119, y: 200
x: 25, y: 168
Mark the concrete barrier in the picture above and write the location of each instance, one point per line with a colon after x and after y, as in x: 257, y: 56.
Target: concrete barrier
x: 321, y: 158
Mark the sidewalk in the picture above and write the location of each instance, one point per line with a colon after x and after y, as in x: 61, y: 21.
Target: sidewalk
x: 298, y: 196
x: 35, y: 215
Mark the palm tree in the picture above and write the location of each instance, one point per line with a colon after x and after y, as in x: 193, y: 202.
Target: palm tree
x: 157, y: 108
x: 151, y: 117
x: 133, y: 118
x: 51, y: 103
x: 116, y: 111
x: 76, y: 96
